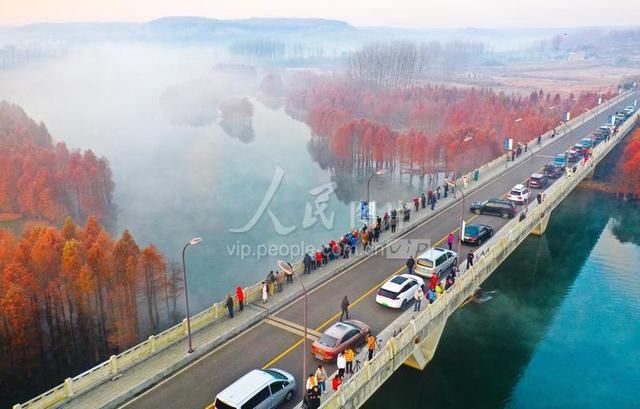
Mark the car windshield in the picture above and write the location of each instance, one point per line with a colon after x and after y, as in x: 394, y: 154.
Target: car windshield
x: 516, y: 192
x: 275, y: 374
x: 328, y: 341
x: 425, y: 263
x: 221, y: 405
x: 471, y: 230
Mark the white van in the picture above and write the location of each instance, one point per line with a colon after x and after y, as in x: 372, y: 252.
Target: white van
x: 259, y: 389
x: 435, y: 261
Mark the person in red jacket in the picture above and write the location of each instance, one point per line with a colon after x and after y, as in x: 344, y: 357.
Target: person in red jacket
x: 318, y: 259
x: 240, y: 297
x: 433, y: 281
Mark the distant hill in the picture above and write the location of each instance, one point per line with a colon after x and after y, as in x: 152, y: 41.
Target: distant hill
x: 172, y: 29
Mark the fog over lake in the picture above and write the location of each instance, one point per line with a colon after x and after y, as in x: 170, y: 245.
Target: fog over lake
x: 152, y: 111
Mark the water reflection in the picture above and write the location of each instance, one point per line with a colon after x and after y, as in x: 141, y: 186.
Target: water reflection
x: 237, y: 119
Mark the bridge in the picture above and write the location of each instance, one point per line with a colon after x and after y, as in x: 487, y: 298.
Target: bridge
x: 160, y: 373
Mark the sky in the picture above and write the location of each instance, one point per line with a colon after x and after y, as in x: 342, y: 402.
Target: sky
x: 392, y: 13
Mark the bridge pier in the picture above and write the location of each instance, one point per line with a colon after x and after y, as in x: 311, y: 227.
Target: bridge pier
x: 424, y: 350
x: 541, y: 227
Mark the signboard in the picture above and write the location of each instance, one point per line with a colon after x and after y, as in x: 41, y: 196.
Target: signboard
x: 372, y: 211
x: 635, y: 102
x: 567, y: 116
x: 599, y: 100
x: 462, y: 228
x: 612, y: 120
x: 364, y: 210
x: 508, y: 144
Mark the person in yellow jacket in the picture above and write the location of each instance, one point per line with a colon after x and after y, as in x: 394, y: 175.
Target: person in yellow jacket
x: 348, y: 355
x: 311, y: 382
x: 371, y: 344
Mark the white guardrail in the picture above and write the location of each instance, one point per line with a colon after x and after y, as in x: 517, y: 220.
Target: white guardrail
x: 359, y: 388
x: 155, y: 343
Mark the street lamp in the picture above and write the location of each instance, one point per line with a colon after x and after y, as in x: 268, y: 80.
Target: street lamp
x: 455, y: 182
x: 467, y: 138
x: 376, y: 173
x: 192, y: 242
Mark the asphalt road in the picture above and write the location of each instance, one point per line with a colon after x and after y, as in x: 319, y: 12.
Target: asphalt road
x: 268, y: 345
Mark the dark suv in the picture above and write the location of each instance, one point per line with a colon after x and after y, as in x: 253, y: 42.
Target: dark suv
x: 496, y: 207
x: 552, y: 171
x: 538, y: 181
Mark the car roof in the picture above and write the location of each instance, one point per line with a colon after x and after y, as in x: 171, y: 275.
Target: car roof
x: 338, y: 329
x: 503, y: 201
x: 396, y: 283
x: 433, y: 253
x: 519, y: 186
x: 236, y: 393
x: 537, y: 175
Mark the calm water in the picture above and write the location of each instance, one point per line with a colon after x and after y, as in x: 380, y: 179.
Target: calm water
x: 151, y: 111
x: 563, y: 330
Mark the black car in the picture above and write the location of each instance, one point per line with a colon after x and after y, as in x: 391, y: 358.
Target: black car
x: 552, y: 171
x: 496, y: 207
x: 476, y: 234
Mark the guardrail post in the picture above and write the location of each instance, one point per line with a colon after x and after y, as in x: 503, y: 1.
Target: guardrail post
x: 152, y: 343
x: 68, y: 387
x: 113, y: 364
x: 367, y: 370
x: 184, y: 326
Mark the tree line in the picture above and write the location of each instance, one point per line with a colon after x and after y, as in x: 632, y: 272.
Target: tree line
x: 420, y: 129
x: 44, y: 181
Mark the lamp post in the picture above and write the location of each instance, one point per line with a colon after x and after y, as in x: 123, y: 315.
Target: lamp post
x: 376, y: 173
x: 461, y: 220
x: 192, y: 242
x: 304, y: 343
x: 467, y: 138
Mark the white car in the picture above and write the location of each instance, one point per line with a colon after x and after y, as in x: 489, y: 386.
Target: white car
x: 436, y: 261
x: 398, y: 292
x: 519, y: 194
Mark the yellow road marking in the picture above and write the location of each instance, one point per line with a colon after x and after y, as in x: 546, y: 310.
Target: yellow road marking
x: 312, y: 335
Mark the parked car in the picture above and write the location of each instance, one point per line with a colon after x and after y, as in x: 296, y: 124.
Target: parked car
x: 560, y: 160
x: 519, y: 194
x: 553, y: 171
x: 538, y: 181
x: 339, y: 336
x: 476, y: 233
x: 435, y: 261
x: 260, y: 388
x: 398, y: 292
x: 586, y: 143
x: 574, y: 155
x: 495, y: 207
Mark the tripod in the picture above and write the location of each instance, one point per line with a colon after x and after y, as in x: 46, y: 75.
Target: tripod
x: 357, y: 367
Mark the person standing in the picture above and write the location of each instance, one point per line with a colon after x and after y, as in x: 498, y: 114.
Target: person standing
x: 410, y: 264
x: 433, y: 201
x: 433, y: 281
x: 446, y: 189
x: 470, y: 258
x: 438, y: 193
x: 314, y: 398
x: 371, y: 345
x: 229, y: 304
x: 307, y: 263
x: 344, y: 308
x: 450, y: 239
x: 342, y: 364
x: 423, y: 200
x: 385, y: 219
x: 280, y: 280
x: 240, y: 297
x: 418, y: 297
x: 311, y: 382
x: 321, y: 378
x: 265, y: 292
x: 318, y: 259
x: 348, y: 357
x: 394, y: 221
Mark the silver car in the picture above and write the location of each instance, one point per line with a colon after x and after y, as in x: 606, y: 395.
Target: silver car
x: 259, y: 389
x: 435, y: 261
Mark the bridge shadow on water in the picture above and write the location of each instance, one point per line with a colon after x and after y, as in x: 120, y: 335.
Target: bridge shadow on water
x: 486, y: 347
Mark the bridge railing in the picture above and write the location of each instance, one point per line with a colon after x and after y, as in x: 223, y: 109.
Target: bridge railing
x: 360, y: 387
x: 116, y: 364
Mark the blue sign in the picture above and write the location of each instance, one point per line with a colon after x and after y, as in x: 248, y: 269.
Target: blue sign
x: 364, y: 210
x: 508, y: 144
